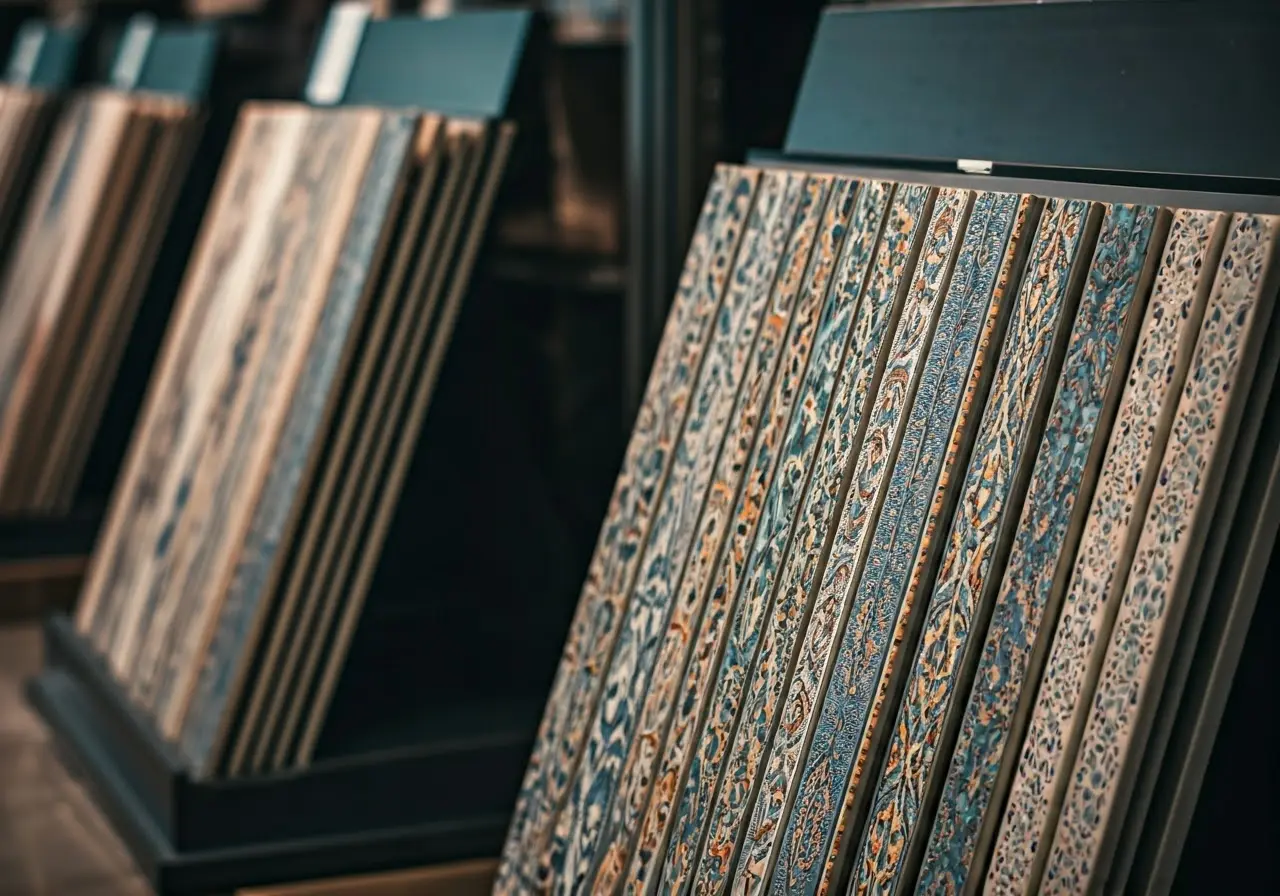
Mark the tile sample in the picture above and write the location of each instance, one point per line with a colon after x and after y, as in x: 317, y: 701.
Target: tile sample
x: 594, y: 628
x: 1102, y: 560
x: 746, y: 462
x: 766, y: 509
x: 777, y: 576
x: 1164, y: 563
x: 716, y: 418
x: 992, y: 493
x: 795, y: 635
x: 948, y: 400
x: 1067, y: 466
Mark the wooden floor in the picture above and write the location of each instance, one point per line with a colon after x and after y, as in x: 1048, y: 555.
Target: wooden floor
x: 52, y: 839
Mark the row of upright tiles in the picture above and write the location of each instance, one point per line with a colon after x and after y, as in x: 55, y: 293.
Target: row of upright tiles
x: 908, y: 521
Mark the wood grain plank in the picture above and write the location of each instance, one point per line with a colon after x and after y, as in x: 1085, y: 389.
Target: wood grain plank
x: 1107, y: 543
x: 784, y: 450
x: 1062, y: 483
x: 978, y: 540
x: 718, y: 420
x: 1165, y: 561
x: 241, y: 619
x: 790, y: 671
x: 593, y: 630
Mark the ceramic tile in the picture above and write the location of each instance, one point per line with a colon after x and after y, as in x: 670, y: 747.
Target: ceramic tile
x: 594, y: 628
x: 1093, y: 374
x: 1102, y: 559
x: 947, y: 401
x: 746, y: 462
x: 716, y: 420
x: 764, y: 512
x: 990, y: 494
x: 931, y: 238
x: 1164, y: 563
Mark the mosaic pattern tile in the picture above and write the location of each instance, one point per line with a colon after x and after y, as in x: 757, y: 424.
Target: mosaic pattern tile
x: 596, y: 621
x: 1066, y: 468
x: 228, y: 639
x: 1009, y: 424
x: 779, y: 601
x: 780, y: 642
x: 1164, y: 563
x: 717, y: 419
x: 1106, y: 547
x: 941, y: 418
x: 742, y: 478
x: 764, y: 516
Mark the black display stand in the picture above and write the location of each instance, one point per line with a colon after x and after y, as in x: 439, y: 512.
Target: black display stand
x: 1093, y: 100
x: 402, y: 776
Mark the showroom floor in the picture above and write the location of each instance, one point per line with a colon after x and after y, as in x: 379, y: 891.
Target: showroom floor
x: 53, y: 841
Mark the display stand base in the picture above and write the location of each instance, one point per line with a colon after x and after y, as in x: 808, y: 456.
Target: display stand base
x: 414, y: 805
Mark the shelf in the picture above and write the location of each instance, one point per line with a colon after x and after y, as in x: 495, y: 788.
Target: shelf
x: 580, y: 273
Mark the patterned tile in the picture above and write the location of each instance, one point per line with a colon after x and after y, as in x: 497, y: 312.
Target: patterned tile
x: 1164, y: 563
x: 716, y: 419
x: 780, y: 642
x: 768, y: 504
x: 1066, y: 468
x: 1106, y: 547
x: 761, y: 607
x: 742, y: 476
x: 991, y: 489
x: 947, y: 401
x: 595, y: 625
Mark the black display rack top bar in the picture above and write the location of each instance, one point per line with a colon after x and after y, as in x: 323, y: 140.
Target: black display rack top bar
x: 54, y: 55
x: 1158, y: 87
x: 464, y: 64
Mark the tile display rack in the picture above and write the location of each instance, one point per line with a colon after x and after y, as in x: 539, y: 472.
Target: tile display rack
x: 1013, y: 96
x: 405, y: 782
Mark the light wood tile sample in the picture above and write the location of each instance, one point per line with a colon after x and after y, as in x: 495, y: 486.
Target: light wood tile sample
x: 1093, y: 375
x: 794, y: 635
x: 742, y: 478
x: 1106, y: 548
x: 262, y: 157
x: 778, y: 578
x: 940, y: 418
x: 1164, y: 563
x: 238, y: 626
x: 716, y: 418
x: 993, y: 489
x: 594, y: 629
x: 769, y: 502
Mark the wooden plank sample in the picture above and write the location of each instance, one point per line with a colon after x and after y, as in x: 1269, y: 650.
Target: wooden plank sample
x: 978, y: 540
x: 347, y: 471
x: 593, y: 630
x: 770, y: 500
x: 427, y: 377
x: 379, y: 439
x: 184, y: 386
x: 374, y: 152
x: 1067, y: 467
x: 1106, y: 548
x: 797, y: 643
x: 240, y: 620
x: 740, y: 485
x: 232, y: 452
x: 1164, y: 563
x: 773, y: 574
x: 717, y: 419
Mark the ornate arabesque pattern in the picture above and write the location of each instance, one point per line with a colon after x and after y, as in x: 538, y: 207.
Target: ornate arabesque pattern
x: 1106, y: 545
x: 1165, y: 560
x: 999, y: 451
x: 1040, y: 547
x: 598, y: 616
